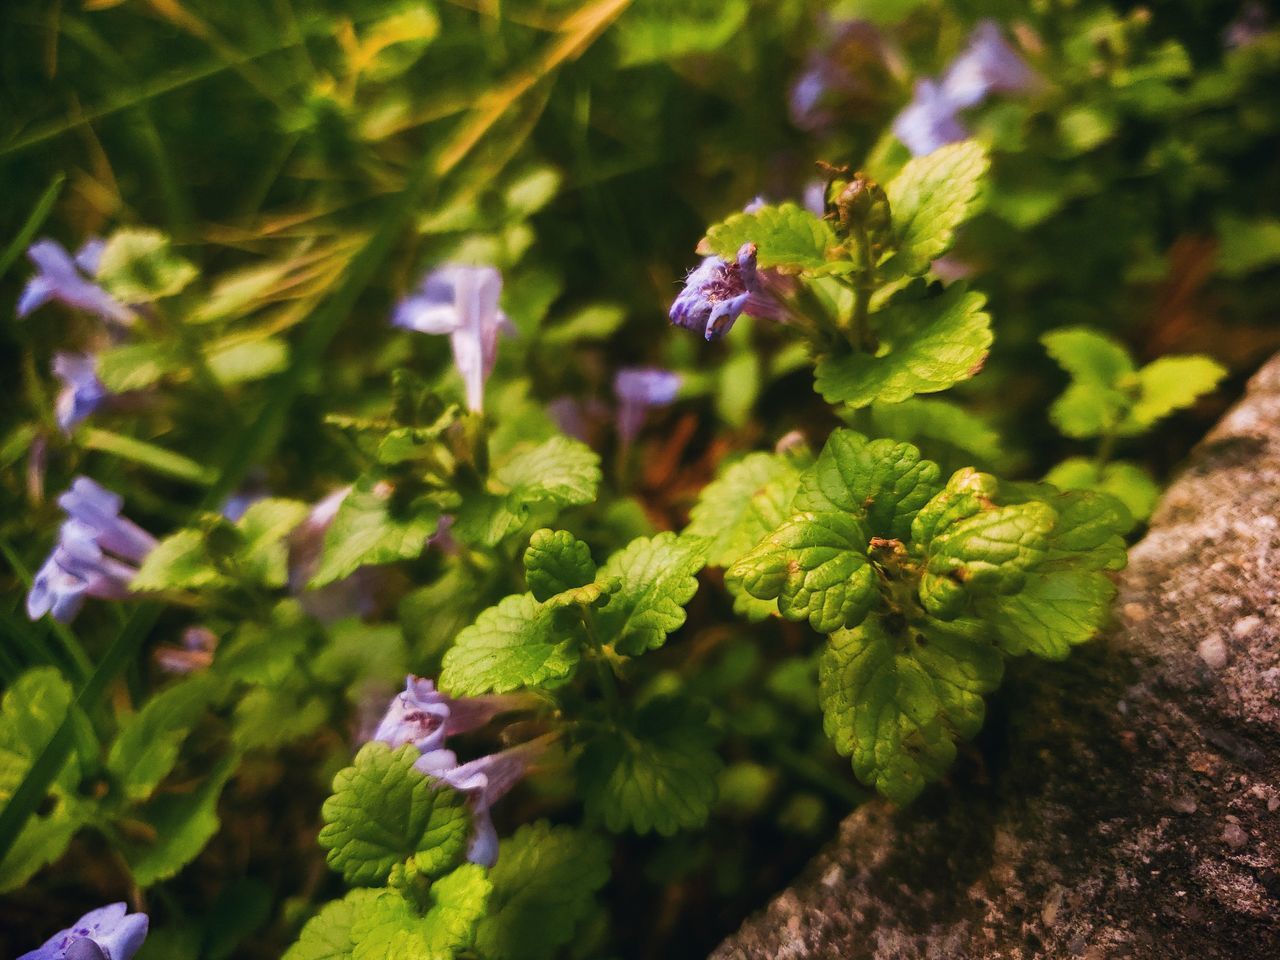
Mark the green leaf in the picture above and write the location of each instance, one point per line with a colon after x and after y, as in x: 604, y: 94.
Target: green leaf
x: 183, y: 824
x: 895, y: 702
x: 1088, y: 355
x: 368, y: 531
x: 930, y: 198
x: 137, y: 451
x: 179, y: 562
x: 939, y: 423
x: 544, y: 885
x: 516, y: 644
x: 1246, y: 245
x: 139, y: 266
x: 659, y: 773
x: 882, y: 482
x: 1052, y: 612
x: 266, y: 524
x: 149, y: 740
x: 662, y: 30
x: 242, y: 361
x: 389, y: 927
x: 1129, y: 483
x: 926, y: 346
x: 787, y: 238
x: 271, y: 716
x: 1169, y: 384
x: 327, y: 935
x: 557, y: 561
x: 32, y: 708
x: 136, y: 366
x: 748, y: 499
x: 559, y: 471
x: 658, y: 576
x: 384, y: 812
x: 815, y: 565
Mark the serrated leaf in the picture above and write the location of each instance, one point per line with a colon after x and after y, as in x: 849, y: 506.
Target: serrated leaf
x: 556, y: 561
x: 179, y: 562
x: 880, y: 481
x: 967, y: 493
x: 1086, y: 410
x: 383, y: 812
x: 1127, y: 482
x: 1169, y: 384
x: 659, y: 773
x: 657, y: 577
x: 31, y: 711
x: 1089, y: 356
x: 1051, y: 613
x: 748, y: 499
x: 327, y: 935
x: 139, y: 266
x: 182, y: 823
x: 367, y: 531
x: 517, y: 643
x: 389, y: 927
x: 926, y: 346
x: 940, y: 423
x: 930, y: 198
x: 264, y: 557
x: 559, y: 471
x: 543, y: 886
x: 787, y: 238
x: 149, y: 740
x: 894, y: 703
x: 815, y: 565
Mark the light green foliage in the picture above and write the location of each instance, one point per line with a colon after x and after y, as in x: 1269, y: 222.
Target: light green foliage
x: 748, y: 499
x: 1127, y: 482
x: 266, y: 524
x: 327, y: 935
x: 895, y: 700
x: 657, y: 773
x: 32, y: 708
x: 930, y: 198
x: 557, y: 561
x: 1247, y: 245
x: 787, y: 238
x: 182, y: 824
x: 654, y: 30
x: 939, y: 424
x: 136, y: 366
x: 139, y: 266
x: 1108, y: 396
x: 517, y: 643
x: 543, y: 887
x: 149, y: 741
x: 926, y: 346
x: 370, y: 528
x: 384, y: 812
x: 179, y: 562
x: 657, y: 577
x: 389, y: 927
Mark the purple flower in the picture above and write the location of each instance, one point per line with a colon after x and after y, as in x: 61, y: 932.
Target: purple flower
x: 929, y: 121
x: 96, y: 554
x: 196, y: 652
x: 815, y: 197
x: 717, y: 292
x: 461, y: 301
x: 486, y: 781
x: 845, y: 69
x: 82, y: 392
x: 1248, y: 26
x: 102, y: 934
x: 638, y: 389
x: 986, y: 65
x: 69, y: 281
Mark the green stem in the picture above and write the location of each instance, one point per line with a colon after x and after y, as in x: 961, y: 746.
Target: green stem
x: 1106, y: 448
x: 604, y: 670
x: 864, y: 287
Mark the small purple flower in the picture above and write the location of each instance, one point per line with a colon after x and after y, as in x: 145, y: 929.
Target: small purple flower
x: 461, y: 301
x: 758, y: 202
x: 929, y: 121
x: 82, y: 392
x: 1248, y: 26
x: 638, y: 389
x: 486, y: 781
x: 69, y: 281
x: 986, y: 65
x: 96, y: 554
x: 815, y: 197
x: 102, y: 934
x: 717, y: 292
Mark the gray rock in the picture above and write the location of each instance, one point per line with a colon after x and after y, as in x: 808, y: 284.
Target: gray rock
x: 1056, y: 834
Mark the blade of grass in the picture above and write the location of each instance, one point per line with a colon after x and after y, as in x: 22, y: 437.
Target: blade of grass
x: 22, y: 239
x: 81, y: 665
x: 148, y: 455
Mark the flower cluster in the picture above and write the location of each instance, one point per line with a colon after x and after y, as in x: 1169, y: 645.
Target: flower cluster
x: 462, y: 302
x: 987, y: 65
x: 426, y: 718
x: 108, y: 933
x: 96, y: 555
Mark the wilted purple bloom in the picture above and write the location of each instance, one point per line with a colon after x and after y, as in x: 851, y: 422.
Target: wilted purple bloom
x: 638, y: 389
x: 486, y: 781
x: 102, y: 934
x: 69, y: 281
x: 461, y: 301
x: 95, y: 556
x: 929, y: 121
x: 986, y: 65
x: 717, y: 292
x: 1248, y: 26
x: 82, y: 392
x: 196, y: 652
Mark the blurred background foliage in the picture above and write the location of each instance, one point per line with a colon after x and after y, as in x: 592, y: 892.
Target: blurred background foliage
x: 312, y: 158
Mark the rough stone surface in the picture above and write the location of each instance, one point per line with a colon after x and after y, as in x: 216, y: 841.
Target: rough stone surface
x: 1125, y: 803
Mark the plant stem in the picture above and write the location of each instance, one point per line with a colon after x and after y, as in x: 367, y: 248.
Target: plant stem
x: 862, y: 291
